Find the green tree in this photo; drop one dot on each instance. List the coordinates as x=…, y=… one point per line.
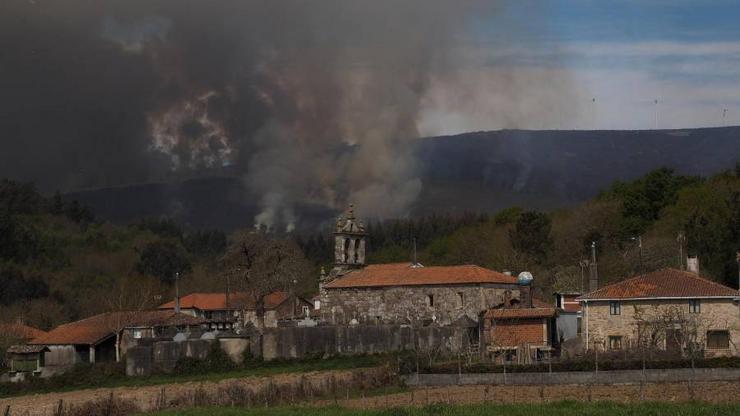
x=163, y=259
x=710, y=216
x=531, y=236
x=644, y=198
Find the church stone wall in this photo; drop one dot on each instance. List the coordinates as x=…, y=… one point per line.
x=411, y=304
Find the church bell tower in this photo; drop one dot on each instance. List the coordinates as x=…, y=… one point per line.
x=349, y=241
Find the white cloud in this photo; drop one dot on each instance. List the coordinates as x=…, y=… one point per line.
x=552, y=87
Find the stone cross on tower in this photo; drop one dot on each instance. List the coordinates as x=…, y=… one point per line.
x=349, y=241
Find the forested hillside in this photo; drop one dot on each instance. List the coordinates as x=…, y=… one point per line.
x=471, y=172
x=58, y=263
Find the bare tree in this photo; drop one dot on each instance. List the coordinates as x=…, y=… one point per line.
x=127, y=298
x=259, y=265
x=660, y=327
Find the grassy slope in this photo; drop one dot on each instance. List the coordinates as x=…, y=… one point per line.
x=550, y=409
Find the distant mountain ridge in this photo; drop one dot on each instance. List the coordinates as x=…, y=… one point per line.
x=480, y=171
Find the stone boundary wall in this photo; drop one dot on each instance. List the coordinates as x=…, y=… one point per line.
x=303, y=342
x=577, y=377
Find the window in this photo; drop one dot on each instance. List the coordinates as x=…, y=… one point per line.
x=461, y=298
x=430, y=300
x=615, y=308
x=718, y=339
x=346, y=250
x=306, y=311
x=138, y=333
x=694, y=306
x=615, y=342
x=357, y=251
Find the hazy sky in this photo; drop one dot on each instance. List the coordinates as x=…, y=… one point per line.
x=625, y=54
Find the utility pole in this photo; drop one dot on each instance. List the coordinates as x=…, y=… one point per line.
x=593, y=269
x=681, y=241
x=583, y=264
x=724, y=114
x=639, y=245
x=177, y=292
x=228, y=289
x=414, y=244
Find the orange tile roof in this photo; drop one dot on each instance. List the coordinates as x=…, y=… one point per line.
x=402, y=274
x=512, y=313
x=217, y=301
x=20, y=331
x=665, y=283
x=91, y=330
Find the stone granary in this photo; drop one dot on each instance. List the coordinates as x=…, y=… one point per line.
x=667, y=309
x=404, y=293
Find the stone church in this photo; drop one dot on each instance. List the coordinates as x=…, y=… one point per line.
x=404, y=293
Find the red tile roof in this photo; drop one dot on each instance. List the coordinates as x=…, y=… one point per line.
x=665, y=283
x=402, y=274
x=20, y=331
x=91, y=330
x=570, y=302
x=217, y=301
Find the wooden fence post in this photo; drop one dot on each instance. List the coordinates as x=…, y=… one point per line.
x=109, y=410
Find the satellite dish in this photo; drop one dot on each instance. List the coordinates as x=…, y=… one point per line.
x=524, y=278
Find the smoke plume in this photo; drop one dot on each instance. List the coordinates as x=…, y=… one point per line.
x=308, y=101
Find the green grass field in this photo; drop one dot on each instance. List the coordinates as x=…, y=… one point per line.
x=550, y=409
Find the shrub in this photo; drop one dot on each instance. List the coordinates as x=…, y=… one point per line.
x=216, y=361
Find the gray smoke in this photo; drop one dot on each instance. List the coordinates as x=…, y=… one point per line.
x=309, y=101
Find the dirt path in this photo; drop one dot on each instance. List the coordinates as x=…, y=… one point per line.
x=148, y=397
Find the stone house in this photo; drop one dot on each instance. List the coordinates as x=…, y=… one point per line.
x=520, y=333
x=107, y=337
x=404, y=293
x=223, y=311
x=667, y=309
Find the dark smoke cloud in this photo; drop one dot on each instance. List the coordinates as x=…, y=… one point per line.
x=311, y=101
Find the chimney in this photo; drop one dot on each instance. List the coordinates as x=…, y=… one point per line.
x=692, y=264
x=593, y=270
